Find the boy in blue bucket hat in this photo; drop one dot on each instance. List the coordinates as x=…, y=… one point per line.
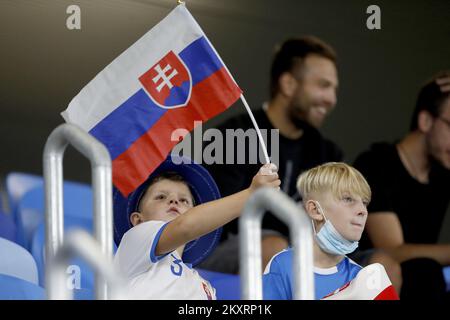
x=172, y=222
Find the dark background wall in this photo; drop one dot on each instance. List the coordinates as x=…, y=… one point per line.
x=43, y=65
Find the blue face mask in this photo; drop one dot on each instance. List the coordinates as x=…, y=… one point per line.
x=330, y=240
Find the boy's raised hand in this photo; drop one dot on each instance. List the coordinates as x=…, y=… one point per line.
x=267, y=176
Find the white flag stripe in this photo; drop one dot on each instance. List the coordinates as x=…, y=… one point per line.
x=119, y=80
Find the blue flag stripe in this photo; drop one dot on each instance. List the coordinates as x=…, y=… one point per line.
x=139, y=113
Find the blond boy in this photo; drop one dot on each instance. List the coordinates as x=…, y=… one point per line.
x=335, y=197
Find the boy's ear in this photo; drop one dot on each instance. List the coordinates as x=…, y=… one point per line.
x=136, y=218
x=312, y=210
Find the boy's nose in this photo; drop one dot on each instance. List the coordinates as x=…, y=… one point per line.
x=363, y=211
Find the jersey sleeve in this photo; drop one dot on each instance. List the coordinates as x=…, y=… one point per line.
x=276, y=282
x=136, y=252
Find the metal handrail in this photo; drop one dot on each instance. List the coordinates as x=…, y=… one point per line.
x=80, y=243
x=102, y=191
x=300, y=231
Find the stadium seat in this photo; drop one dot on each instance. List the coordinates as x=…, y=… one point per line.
x=85, y=272
x=7, y=227
x=17, y=262
x=38, y=250
x=17, y=184
x=30, y=208
x=84, y=294
x=12, y=288
x=2, y=206
x=446, y=272
x=227, y=285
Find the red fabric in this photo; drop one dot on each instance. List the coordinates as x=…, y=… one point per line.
x=388, y=294
x=182, y=75
x=209, y=97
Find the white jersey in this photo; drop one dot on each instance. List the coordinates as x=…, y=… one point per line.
x=157, y=277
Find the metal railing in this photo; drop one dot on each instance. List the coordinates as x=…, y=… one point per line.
x=80, y=243
x=300, y=230
x=102, y=192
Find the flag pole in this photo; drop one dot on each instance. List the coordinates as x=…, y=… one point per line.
x=249, y=111
x=255, y=124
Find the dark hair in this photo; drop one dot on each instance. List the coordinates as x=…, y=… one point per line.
x=168, y=175
x=292, y=53
x=430, y=99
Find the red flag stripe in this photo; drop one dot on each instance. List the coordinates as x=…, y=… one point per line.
x=209, y=98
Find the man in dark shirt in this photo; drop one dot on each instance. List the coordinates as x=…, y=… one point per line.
x=410, y=193
x=303, y=92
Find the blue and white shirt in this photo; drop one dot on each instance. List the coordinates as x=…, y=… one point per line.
x=278, y=278
x=157, y=277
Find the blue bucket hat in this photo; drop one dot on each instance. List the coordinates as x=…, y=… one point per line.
x=203, y=189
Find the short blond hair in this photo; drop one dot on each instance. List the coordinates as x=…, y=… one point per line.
x=336, y=177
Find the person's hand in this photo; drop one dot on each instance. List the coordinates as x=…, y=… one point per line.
x=444, y=83
x=267, y=176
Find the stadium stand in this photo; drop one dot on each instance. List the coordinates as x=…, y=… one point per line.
x=17, y=184
x=7, y=227
x=22, y=275
x=29, y=208
x=38, y=251
x=227, y=285
x=17, y=262
x=12, y=288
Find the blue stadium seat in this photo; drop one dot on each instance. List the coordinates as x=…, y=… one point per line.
x=17, y=262
x=12, y=288
x=446, y=272
x=30, y=208
x=38, y=250
x=84, y=294
x=17, y=184
x=85, y=272
x=227, y=285
x=7, y=227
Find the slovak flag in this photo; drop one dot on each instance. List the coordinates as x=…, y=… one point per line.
x=167, y=80
x=371, y=283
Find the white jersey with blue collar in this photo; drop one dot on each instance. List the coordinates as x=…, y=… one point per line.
x=278, y=279
x=157, y=277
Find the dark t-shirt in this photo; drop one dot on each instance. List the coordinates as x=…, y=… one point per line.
x=295, y=156
x=420, y=207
